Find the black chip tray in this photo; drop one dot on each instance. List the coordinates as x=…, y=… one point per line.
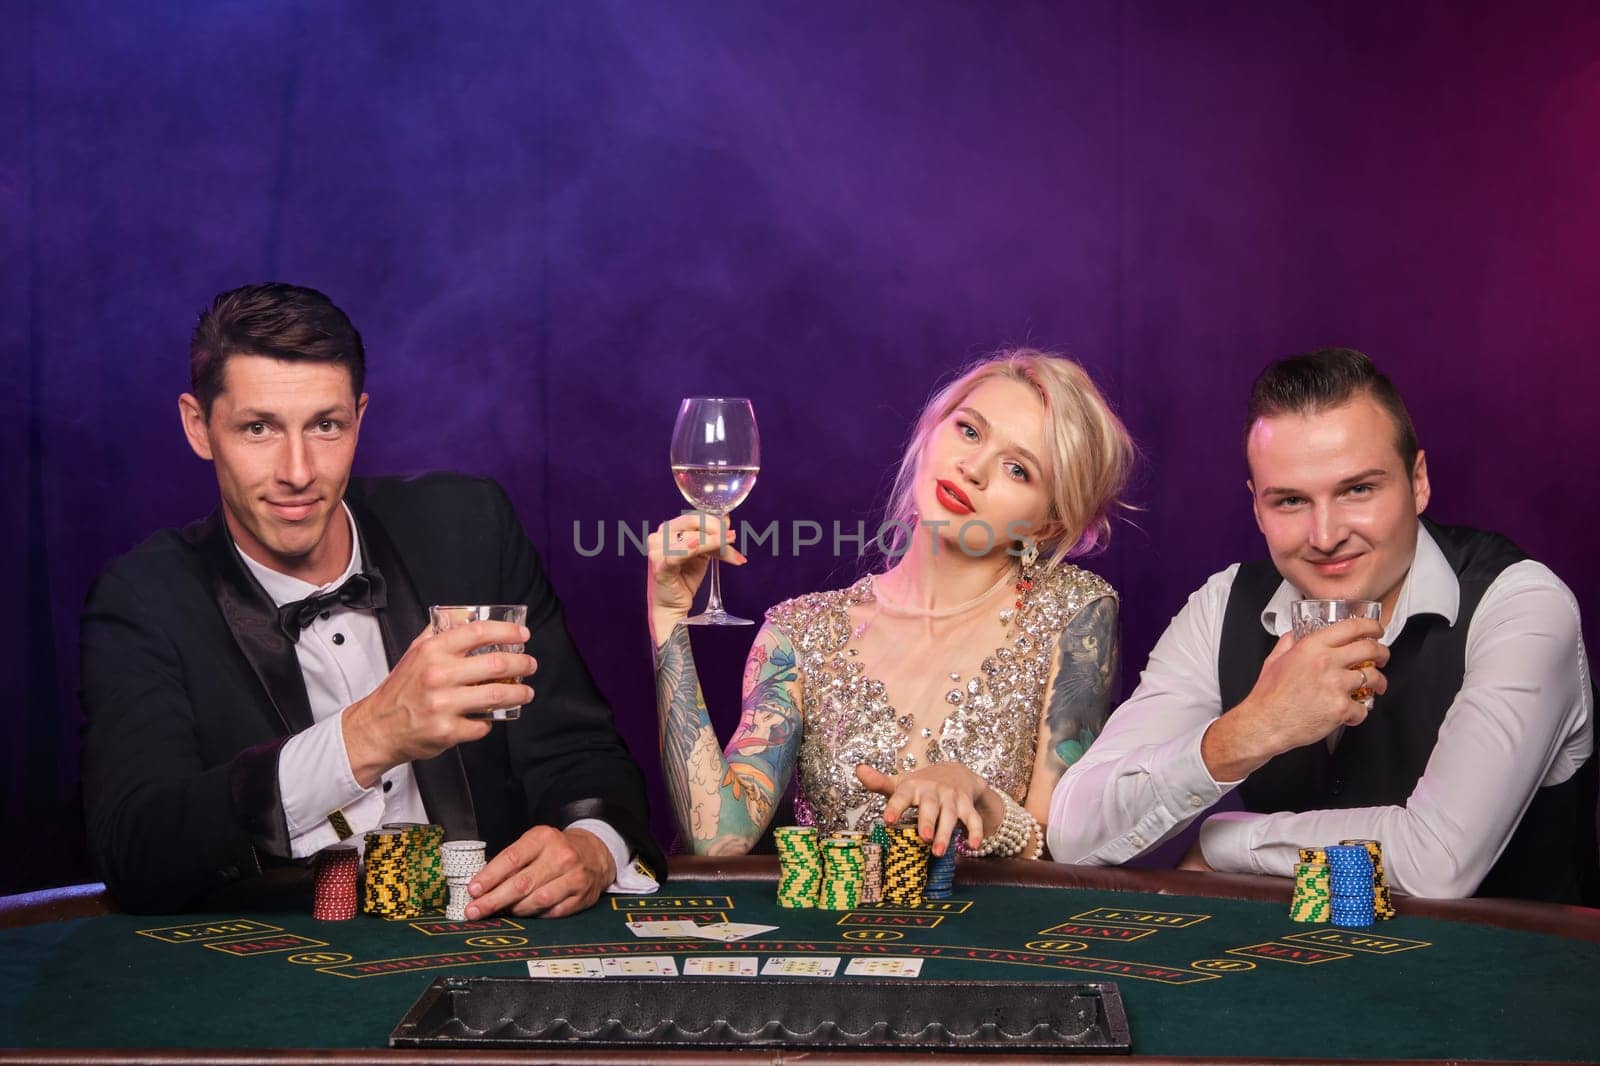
x=707, y=1013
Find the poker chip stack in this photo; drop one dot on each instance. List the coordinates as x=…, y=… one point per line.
x=1350, y=877
x=879, y=834
x=1382, y=905
x=429, y=868
x=1313, y=892
x=388, y=884
x=336, y=879
x=424, y=870
x=872, y=875
x=942, y=868
x=905, y=867
x=844, y=871
x=460, y=861
x=799, y=866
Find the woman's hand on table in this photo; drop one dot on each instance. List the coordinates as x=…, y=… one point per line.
x=944, y=794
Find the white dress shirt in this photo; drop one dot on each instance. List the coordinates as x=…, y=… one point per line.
x=1521, y=720
x=342, y=661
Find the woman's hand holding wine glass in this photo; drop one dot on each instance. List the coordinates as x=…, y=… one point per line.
x=680, y=552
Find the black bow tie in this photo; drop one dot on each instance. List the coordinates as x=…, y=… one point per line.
x=362, y=592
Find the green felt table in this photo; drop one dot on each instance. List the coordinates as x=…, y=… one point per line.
x=1201, y=975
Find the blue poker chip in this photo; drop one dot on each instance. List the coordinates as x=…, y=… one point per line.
x=1348, y=857
x=1349, y=870
x=1352, y=916
x=1352, y=905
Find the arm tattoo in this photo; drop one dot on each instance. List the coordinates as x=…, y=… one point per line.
x=682, y=713
x=723, y=802
x=1081, y=700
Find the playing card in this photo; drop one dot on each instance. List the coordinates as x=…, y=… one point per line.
x=730, y=931
x=566, y=968
x=884, y=968
x=651, y=966
x=800, y=966
x=667, y=928
x=719, y=966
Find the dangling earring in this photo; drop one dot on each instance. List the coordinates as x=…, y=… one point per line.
x=1030, y=556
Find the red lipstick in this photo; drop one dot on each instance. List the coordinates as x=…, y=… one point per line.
x=953, y=498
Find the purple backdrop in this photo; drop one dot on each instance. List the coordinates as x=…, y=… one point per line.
x=551, y=221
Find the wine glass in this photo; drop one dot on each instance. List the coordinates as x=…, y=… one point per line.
x=716, y=455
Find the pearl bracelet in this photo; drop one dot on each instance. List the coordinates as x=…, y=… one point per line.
x=1016, y=832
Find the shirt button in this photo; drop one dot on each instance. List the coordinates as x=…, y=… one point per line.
x=1196, y=801
x=326, y=615
x=338, y=638
x=1136, y=840
x=387, y=785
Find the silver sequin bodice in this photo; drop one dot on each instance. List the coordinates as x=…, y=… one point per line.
x=992, y=724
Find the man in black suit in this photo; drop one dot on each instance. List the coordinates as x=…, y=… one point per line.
x=263, y=683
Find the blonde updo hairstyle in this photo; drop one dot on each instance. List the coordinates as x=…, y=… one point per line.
x=1088, y=449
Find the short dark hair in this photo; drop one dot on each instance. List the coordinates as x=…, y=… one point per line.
x=1325, y=378
x=279, y=321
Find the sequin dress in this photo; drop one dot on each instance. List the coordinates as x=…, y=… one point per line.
x=991, y=727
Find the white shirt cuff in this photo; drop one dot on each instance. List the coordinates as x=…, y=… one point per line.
x=631, y=877
x=1184, y=786
x=315, y=780
x=1226, y=842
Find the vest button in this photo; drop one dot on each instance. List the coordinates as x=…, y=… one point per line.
x=1337, y=787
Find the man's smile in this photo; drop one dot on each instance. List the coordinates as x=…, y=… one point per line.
x=1339, y=564
x=293, y=510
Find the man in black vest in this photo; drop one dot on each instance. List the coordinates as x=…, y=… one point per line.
x=1474, y=765
x=262, y=684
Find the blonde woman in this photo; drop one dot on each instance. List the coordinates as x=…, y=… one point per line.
x=964, y=678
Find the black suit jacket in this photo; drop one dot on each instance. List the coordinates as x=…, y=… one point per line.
x=189, y=691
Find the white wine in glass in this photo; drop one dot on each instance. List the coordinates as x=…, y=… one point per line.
x=715, y=455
